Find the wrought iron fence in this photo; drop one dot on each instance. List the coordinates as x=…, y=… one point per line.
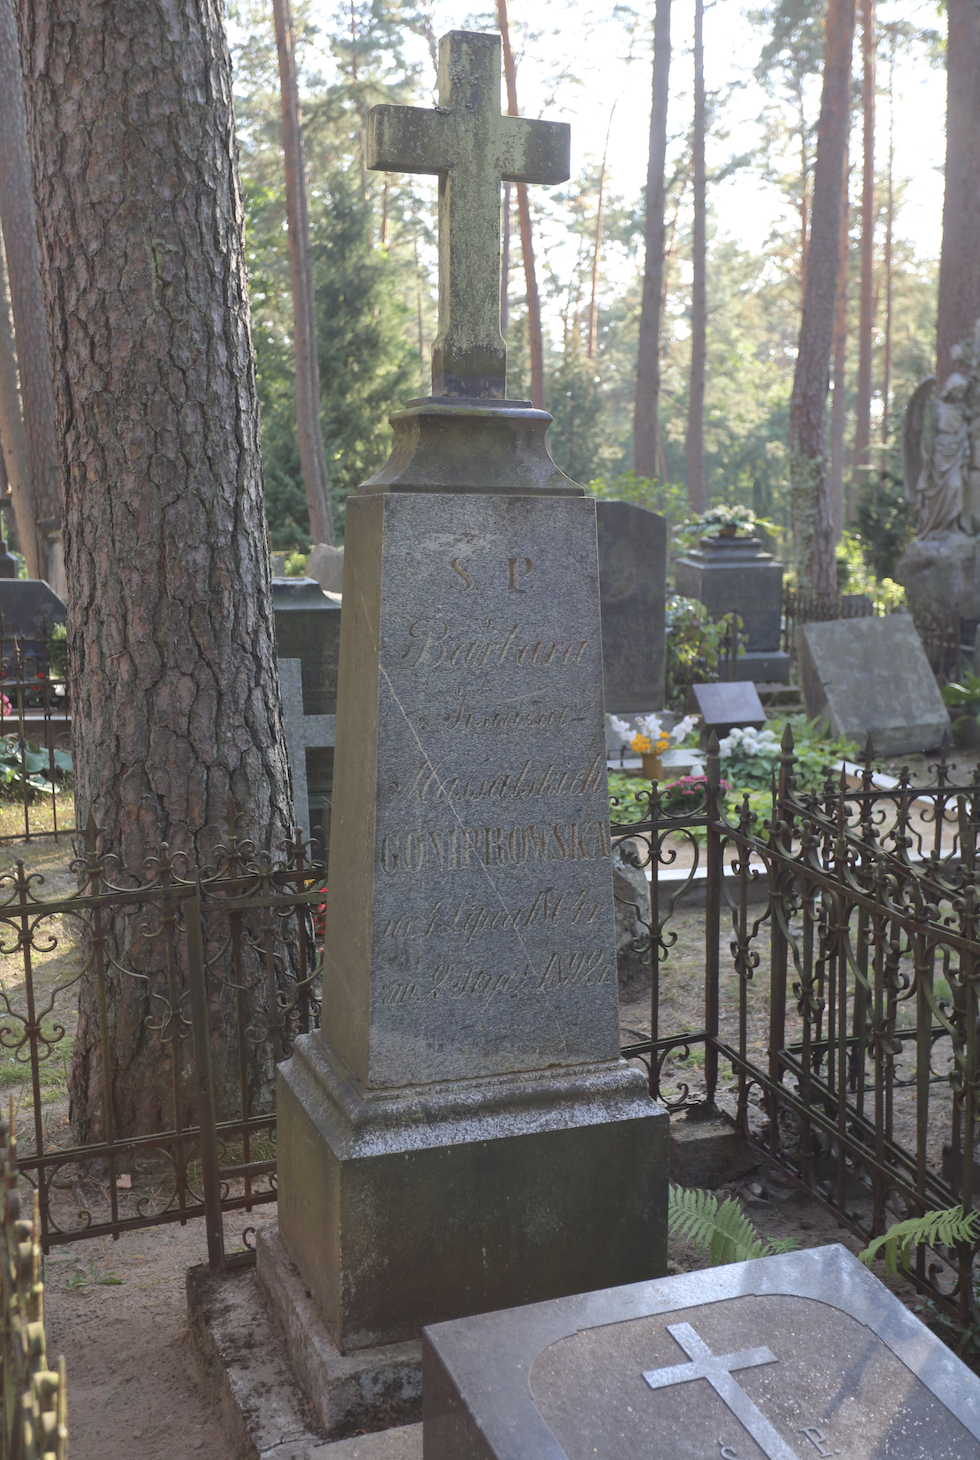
x=34, y=1396
x=216, y=969
x=851, y=979
x=35, y=737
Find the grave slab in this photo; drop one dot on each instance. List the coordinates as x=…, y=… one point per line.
x=28, y=606
x=870, y=676
x=303, y=733
x=793, y=1357
x=632, y=592
x=308, y=631
x=723, y=706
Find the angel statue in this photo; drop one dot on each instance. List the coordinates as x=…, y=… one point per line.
x=935, y=453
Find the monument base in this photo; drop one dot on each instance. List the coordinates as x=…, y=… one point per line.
x=941, y=575
x=409, y=1207
x=763, y=666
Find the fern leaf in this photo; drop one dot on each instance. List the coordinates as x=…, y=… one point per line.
x=724, y=1231
x=943, y=1228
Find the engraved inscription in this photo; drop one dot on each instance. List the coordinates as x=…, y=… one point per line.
x=524, y=784
x=517, y=570
x=459, y=981
x=819, y=1440
x=467, y=920
x=493, y=846
x=430, y=646
x=468, y=717
x=463, y=579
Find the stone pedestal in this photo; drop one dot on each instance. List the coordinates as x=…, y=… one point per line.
x=462, y=1132
x=726, y=573
x=941, y=576
x=633, y=589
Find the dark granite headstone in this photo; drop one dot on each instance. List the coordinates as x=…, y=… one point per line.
x=735, y=573
x=632, y=595
x=787, y=1358
x=723, y=706
x=308, y=630
x=29, y=608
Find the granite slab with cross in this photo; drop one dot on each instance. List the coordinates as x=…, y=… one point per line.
x=462, y=1133
x=805, y=1356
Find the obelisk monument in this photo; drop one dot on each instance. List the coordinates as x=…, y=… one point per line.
x=461, y=1133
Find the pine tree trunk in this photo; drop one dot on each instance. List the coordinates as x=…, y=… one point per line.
x=838, y=409
x=697, y=490
x=862, y=423
x=647, y=410
x=17, y=217
x=813, y=528
x=887, y=262
x=534, y=337
x=175, y=695
x=12, y=437
x=959, y=260
x=312, y=457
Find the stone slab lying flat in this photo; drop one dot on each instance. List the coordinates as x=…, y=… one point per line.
x=870, y=676
x=784, y=1358
x=402, y=1443
x=370, y=1389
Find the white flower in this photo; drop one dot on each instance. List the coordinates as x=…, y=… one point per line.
x=750, y=746
x=681, y=731
x=622, y=728
x=726, y=746
x=650, y=725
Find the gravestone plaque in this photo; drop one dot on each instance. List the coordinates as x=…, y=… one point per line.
x=794, y=1357
x=870, y=676
x=736, y=573
x=632, y=592
x=723, y=706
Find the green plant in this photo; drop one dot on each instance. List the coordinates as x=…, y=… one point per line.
x=36, y=763
x=945, y=1228
x=58, y=651
x=295, y=565
x=695, y=645
x=727, y=520
x=80, y=1281
x=965, y=697
x=725, y=1231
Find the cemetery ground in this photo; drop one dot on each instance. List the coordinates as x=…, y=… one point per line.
x=117, y=1310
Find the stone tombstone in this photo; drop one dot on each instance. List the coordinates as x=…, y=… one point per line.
x=308, y=638
x=461, y=1133
x=326, y=565
x=723, y=706
x=794, y=1357
x=726, y=573
x=30, y=608
x=633, y=594
x=870, y=676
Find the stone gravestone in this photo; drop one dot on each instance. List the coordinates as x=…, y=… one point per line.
x=794, y=1357
x=735, y=573
x=462, y=1132
x=308, y=639
x=29, y=608
x=870, y=676
x=723, y=706
x=632, y=592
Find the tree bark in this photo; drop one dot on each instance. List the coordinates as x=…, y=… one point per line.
x=647, y=409
x=17, y=217
x=534, y=337
x=838, y=409
x=959, y=260
x=862, y=424
x=12, y=437
x=887, y=262
x=175, y=694
x=813, y=528
x=312, y=457
x=697, y=490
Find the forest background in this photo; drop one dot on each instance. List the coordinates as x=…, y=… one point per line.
x=373, y=245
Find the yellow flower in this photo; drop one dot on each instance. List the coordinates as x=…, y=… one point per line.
x=662, y=744
x=641, y=744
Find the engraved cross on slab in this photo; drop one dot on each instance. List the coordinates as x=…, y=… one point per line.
x=717, y=1369
x=472, y=148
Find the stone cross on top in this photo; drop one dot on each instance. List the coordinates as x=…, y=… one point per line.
x=472, y=148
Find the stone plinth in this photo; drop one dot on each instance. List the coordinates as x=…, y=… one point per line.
x=870, y=676
x=735, y=573
x=463, y=1133
x=941, y=575
x=632, y=590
